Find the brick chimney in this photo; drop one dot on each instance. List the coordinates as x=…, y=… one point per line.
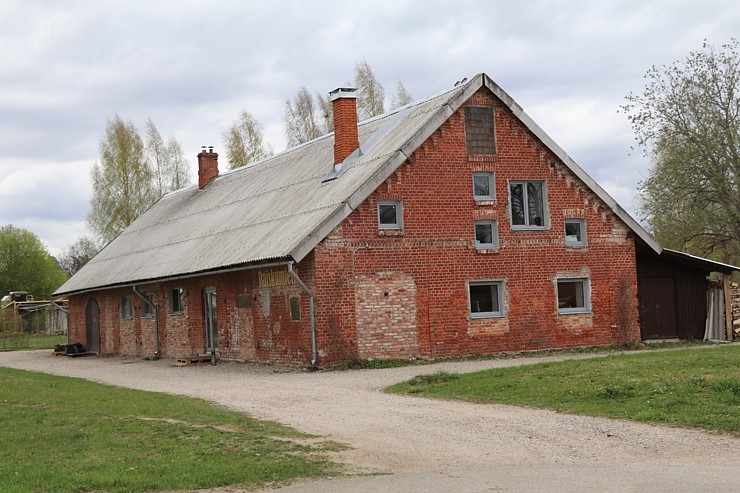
x=207, y=166
x=344, y=106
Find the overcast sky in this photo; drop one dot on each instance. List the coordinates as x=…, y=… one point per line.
x=191, y=66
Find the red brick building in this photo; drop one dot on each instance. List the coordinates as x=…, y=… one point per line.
x=452, y=226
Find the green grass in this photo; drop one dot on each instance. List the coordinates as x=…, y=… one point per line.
x=61, y=434
x=25, y=341
x=378, y=364
x=684, y=387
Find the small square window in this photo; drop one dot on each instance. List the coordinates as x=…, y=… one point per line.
x=574, y=296
x=483, y=186
x=127, y=309
x=147, y=307
x=176, y=300
x=528, y=202
x=486, y=299
x=486, y=235
x=575, y=232
x=295, y=309
x=390, y=214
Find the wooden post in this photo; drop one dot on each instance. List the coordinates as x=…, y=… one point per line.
x=728, y=305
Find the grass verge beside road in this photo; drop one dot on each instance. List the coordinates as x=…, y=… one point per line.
x=62, y=434
x=23, y=341
x=685, y=387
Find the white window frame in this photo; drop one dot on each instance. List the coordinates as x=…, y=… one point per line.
x=398, y=224
x=180, y=296
x=494, y=234
x=491, y=188
x=586, y=286
x=127, y=307
x=582, y=224
x=500, y=299
x=525, y=203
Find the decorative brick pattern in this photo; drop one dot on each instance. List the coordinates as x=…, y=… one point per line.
x=386, y=316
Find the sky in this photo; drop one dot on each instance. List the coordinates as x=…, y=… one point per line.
x=192, y=66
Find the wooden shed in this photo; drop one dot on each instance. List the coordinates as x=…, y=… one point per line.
x=672, y=290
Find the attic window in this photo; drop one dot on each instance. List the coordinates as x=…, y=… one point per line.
x=390, y=214
x=479, y=130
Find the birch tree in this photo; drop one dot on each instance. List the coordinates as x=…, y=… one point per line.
x=122, y=181
x=166, y=160
x=244, y=141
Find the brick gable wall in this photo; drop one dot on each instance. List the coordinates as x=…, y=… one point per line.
x=409, y=288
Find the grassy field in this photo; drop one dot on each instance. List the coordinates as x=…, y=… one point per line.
x=23, y=341
x=69, y=435
x=684, y=387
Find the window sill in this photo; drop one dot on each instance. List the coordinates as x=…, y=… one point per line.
x=484, y=316
x=576, y=246
x=487, y=251
x=529, y=228
x=175, y=314
x=390, y=232
x=485, y=202
x=574, y=311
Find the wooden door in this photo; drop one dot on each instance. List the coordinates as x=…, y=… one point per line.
x=92, y=326
x=658, y=308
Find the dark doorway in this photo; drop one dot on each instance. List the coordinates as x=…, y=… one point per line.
x=658, y=310
x=92, y=326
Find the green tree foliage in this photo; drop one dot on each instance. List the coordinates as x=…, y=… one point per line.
x=26, y=265
x=122, y=182
x=688, y=121
x=77, y=255
x=131, y=176
x=244, y=142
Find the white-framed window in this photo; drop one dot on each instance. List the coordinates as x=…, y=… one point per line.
x=127, y=307
x=528, y=203
x=176, y=305
x=575, y=232
x=483, y=188
x=574, y=295
x=486, y=299
x=486, y=234
x=390, y=214
x=147, y=307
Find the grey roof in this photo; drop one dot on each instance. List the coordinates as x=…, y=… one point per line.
x=282, y=207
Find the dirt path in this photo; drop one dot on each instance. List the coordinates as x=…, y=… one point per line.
x=430, y=445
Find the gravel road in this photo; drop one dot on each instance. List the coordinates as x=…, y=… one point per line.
x=415, y=444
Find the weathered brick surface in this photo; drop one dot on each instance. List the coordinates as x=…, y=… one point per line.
x=404, y=293
x=436, y=253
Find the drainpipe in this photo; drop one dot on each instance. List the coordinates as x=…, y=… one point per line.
x=156, y=318
x=314, y=351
